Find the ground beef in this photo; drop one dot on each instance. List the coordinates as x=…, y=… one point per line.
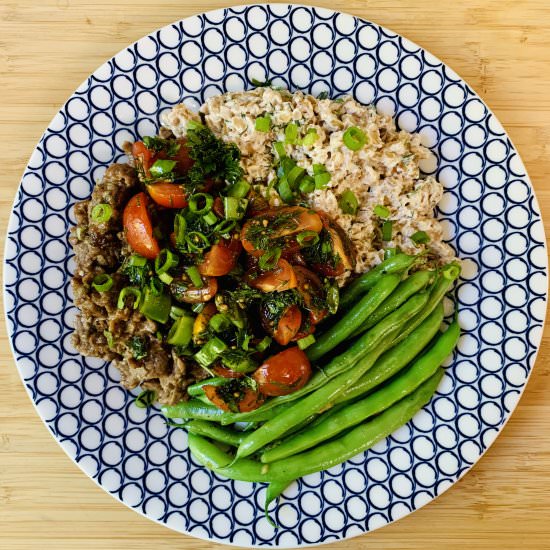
x=101, y=248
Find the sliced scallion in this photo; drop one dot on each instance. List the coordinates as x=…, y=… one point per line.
x=354, y=138
x=128, y=292
x=239, y=189
x=210, y=218
x=162, y=167
x=263, y=123
x=420, y=237
x=166, y=278
x=307, y=185
x=307, y=238
x=165, y=261
x=109, y=338
x=145, y=399
x=284, y=190
x=181, y=331
x=201, y=203
x=304, y=343
x=219, y=322
x=102, y=282
x=101, y=212
x=234, y=208
x=382, y=211
x=210, y=352
x=310, y=138
x=321, y=180
x=195, y=276
x=225, y=227
x=387, y=230
x=197, y=241
x=180, y=226
x=177, y=312
x=279, y=148
x=319, y=169
x=263, y=344
x=348, y=202
x=294, y=176
x=291, y=133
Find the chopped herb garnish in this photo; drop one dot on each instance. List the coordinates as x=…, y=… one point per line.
x=261, y=231
x=420, y=237
x=259, y=83
x=348, y=202
x=323, y=95
x=138, y=346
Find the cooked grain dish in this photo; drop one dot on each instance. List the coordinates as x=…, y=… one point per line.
x=384, y=172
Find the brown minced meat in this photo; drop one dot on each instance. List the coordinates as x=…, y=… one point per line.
x=101, y=248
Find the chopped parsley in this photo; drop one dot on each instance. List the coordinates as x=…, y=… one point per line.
x=137, y=269
x=262, y=231
x=157, y=144
x=214, y=159
x=138, y=345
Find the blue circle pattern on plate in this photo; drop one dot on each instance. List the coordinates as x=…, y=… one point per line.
x=489, y=212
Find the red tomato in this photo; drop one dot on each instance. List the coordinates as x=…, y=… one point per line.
x=138, y=228
x=224, y=372
x=218, y=208
x=221, y=258
x=279, y=279
x=249, y=399
x=142, y=155
x=168, y=194
x=310, y=288
x=184, y=161
x=283, y=373
x=288, y=325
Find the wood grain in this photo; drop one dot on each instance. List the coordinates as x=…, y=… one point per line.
x=501, y=47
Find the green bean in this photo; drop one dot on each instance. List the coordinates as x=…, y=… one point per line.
x=441, y=286
x=411, y=285
x=396, y=264
x=398, y=357
x=375, y=337
x=320, y=458
x=322, y=398
x=193, y=408
x=351, y=415
x=273, y=492
x=354, y=318
x=196, y=389
x=214, y=431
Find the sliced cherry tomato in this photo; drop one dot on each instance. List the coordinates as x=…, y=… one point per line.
x=224, y=372
x=143, y=155
x=311, y=290
x=288, y=325
x=279, y=279
x=218, y=208
x=283, y=373
x=184, y=161
x=244, y=399
x=138, y=228
x=221, y=258
x=169, y=195
x=185, y=292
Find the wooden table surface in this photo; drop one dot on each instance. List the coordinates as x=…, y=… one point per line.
x=500, y=47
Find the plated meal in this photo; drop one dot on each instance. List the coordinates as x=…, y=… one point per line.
x=272, y=263
x=238, y=261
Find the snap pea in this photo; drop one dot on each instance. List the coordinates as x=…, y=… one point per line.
x=396, y=358
x=395, y=264
x=216, y=432
x=351, y=415
x=320, y=458
x=378, y=336
x=354, y=318
x=411, y=285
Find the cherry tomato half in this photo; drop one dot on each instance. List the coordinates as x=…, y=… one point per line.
x=287, y=326
x=278, y=279
x=221, y=258
x=169, y=195
x=143, y=155
x=245, y=400
x=283, y=373
x=311, y=290
x=138, y=228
